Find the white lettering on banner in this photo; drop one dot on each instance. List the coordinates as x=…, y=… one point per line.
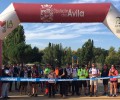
x=47, y=13
x=8, y=21
x=9, y=79
x=41, y=79
x=117, y=25
x=76, y=13
x=27, y=79
x=112, y=21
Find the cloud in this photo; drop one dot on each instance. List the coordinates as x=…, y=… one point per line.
x=45, y=35
x=86, y=1
x=94, y=1
x=39, y=45
x=114, y=2
x=63, y=31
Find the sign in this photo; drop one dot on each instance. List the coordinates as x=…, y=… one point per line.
x=47, y=12
x=5, y=25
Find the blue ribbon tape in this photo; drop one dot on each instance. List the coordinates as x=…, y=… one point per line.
x=45, y=79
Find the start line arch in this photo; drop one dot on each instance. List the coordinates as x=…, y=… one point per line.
x=16, y=13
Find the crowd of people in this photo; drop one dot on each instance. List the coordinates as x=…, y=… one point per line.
x=64, y=88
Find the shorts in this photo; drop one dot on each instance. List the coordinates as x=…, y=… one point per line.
x=23, y=83
x=113, y=81
x=105, y=82
x=84, y=83
x=93, y=82
x=35, y=82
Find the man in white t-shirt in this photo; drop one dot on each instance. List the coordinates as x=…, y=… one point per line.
x=93, y=73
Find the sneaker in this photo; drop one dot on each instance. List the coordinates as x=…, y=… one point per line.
x=85, y=94
x=64, y=96
x=35, y=95
x=110, y=95
x=7, y=97
x=90, y=94
x=45, y=94
x=104, y=94
x=78, y=94
x=53, y=96
x=115, y=95
x=96, y=94
x=72, y=94
x=32, y=95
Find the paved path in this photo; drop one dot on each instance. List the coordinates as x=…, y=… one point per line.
x=40, y=97
x=16, y=96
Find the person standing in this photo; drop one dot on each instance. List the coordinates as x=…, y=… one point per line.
x=5, y=84
x=51, y=84
x=15, y=74
x=104, y=73
x=29, y=83
x=46, y=72
x=23, y=74
x=68, y=69
x=82, y=74
x=75, y=85
x=113, y=81
x=35, y=74
x=93, y=73
x=11, y=74
x=63, y=84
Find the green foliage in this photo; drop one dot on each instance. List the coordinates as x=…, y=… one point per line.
x=100, y=55
x=87, y=52
x=113, y=57
x=15, y=50
x=53, y=54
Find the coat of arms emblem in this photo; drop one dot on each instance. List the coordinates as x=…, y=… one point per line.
x=46, y=13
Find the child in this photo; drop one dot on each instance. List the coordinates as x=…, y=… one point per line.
x=51, y=84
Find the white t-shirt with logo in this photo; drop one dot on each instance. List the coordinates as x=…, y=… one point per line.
x=93, y=71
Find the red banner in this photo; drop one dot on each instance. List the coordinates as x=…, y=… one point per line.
x=62, y=13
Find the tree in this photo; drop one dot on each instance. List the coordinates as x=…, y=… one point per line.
x=112, y=57
x=53, y=54
x=36, y=55
x=13, y=45
x=99, y=55
x=15, y=50
x=68, y=56
x=87, y=52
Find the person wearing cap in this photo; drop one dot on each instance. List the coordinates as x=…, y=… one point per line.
x=104, y=73
x=82, y=74
x=113, y=81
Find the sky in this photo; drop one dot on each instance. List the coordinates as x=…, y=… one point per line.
x=72, y=35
